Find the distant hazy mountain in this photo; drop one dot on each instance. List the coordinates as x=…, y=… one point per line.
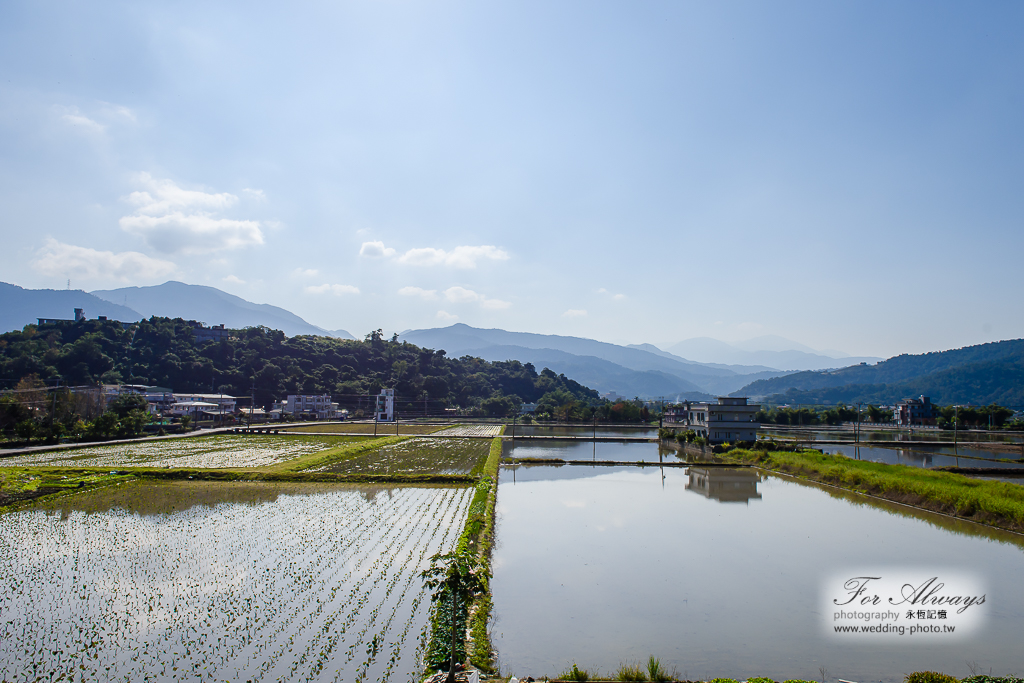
x=20, y=306
x=212, y=306
x=632, y=371
x=983, y=373
x=772, y=351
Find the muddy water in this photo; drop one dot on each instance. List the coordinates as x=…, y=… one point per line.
x=725, y=574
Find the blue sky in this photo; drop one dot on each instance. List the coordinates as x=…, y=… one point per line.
x=847, y=175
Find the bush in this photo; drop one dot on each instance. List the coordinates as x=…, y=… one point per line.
x=575, y=674
x=656, y=671
x=930, y=677
x=631, y=671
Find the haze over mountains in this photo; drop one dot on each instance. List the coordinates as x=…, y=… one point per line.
x=643, y=370
x=772, y=351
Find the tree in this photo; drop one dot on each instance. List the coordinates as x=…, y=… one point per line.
x=455, y=578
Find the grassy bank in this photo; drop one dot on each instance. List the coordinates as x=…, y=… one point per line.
x=993, y=503
x=477, y=539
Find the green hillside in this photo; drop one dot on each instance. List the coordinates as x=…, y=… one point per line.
x=981, y=374
x=163, y=352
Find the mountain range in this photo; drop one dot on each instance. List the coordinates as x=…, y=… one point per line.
x=642, y=370
x=772, y=368
x=984, y=373
x=770, y=350
x=20, y=307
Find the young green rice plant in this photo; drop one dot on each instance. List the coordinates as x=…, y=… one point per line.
x=214, y=451
x=318, y=586
x=656, y=671
x=631, y=671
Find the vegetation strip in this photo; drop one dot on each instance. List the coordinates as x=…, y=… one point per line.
x=993, y=503
x=477, y=541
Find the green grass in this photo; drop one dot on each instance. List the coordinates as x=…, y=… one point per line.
x=630, y=671
x=989, y=502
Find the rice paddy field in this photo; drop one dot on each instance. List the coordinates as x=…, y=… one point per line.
x=222, y=581
x=417, y=456
x=215, y=451
x=364, y=428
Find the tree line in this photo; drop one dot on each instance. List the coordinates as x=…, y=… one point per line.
x=996, y=416
x=267, y=365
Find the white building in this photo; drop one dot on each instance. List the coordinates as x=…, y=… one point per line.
x=319, y=405
x=386, y=405
x=222, y=402
x=730, y=419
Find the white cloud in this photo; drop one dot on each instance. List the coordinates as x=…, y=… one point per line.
x=80, y=120
x=337, y=290
x=426, y=294
x=254, y=194
x=495, y=304
x=602, y=291
x=175, y=220
x=233, y=279
x=163, y=196
x=375, y=250
x=445, y=315
x=67, y=260
x=574, y=313
x=619, y=297
x=460, y=257
x=461, y=295
x=307, y=272
x=193, y=234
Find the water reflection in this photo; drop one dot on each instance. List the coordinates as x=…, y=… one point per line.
x=601, y=565
x=619, y=451
x=724, y=484
x=924, y=456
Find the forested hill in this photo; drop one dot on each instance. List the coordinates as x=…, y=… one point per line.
x=981, y=374
x=163, y=352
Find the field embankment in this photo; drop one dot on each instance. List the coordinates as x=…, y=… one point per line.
x=993, y=503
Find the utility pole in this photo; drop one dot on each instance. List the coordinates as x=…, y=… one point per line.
x=396, y=420
x=376, y=413
x=252, y=404
x=956, y=421
x=857, y=437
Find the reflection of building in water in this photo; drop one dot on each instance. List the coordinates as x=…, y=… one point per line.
x=726, y=484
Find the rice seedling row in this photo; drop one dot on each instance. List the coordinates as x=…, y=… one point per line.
x=221, y=450
x=308, y=587
x=416, y=456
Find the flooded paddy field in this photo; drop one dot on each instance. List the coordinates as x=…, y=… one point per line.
x=210, y=581
x=218, y=450
x=926, y=456
x=621, y=451
x=725, y=573
x=417, y=456
x=818, y=433
x=582, y=431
